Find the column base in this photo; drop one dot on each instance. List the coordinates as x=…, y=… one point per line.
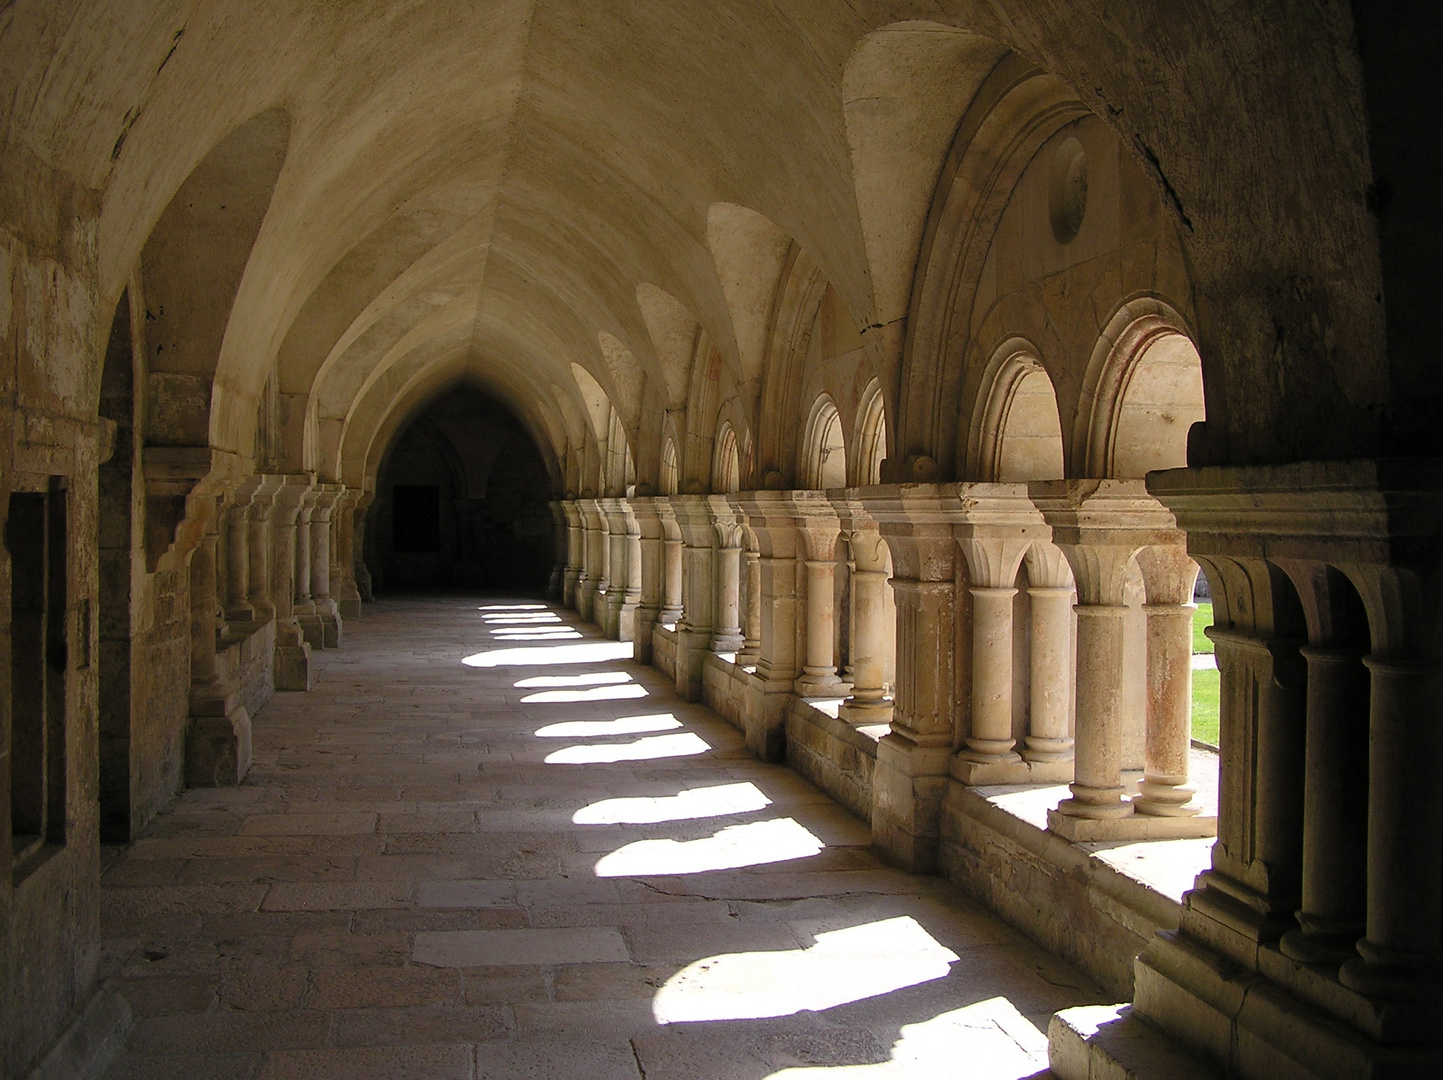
x=908, y=784
x=218, y=749
x=1129, y=826
x=1022, y=771
x=349, y=603
x=626, y=621
x=822, y=686
x=330, y=620
x=724, y=642
x=1166, y=800
x=864, y=712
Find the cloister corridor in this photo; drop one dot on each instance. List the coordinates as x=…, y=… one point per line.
x=490, y=845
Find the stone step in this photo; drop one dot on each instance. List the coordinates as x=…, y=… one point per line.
x=1107, y=1042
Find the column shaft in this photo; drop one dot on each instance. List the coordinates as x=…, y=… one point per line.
x=991, y=739
x=1165, y=791
x=1051, y=675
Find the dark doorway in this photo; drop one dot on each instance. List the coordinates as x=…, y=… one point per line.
x=462, y=502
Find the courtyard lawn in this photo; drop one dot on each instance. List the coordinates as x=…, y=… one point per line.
x=1205, y=706
x=1205, y=684
x=1202, y=618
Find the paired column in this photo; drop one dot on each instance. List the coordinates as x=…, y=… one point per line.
x=727, y=634
x=871, y=629
x=258, y=525
x=236, y=540
x=1169, y=577
x=218, y=739
x=575, y=553
x=819, y=678
x=293, y=652
x=1048, y=746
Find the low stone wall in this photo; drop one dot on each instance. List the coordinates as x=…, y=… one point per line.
x=832, y=754
x=727, y=691
x=249, y=662
x=663, y=651
x=1054, y=891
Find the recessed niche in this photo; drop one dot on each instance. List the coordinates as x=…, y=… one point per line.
x=1067, y=196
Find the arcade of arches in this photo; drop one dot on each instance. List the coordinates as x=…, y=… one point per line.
x=883, y=375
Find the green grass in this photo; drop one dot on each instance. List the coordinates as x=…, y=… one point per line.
x=1205, y=684
x=1202, y=618
x=1205, y=706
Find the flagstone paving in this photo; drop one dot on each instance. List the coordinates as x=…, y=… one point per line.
x=487, y=846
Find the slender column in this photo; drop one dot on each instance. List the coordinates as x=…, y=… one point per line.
x=237, y=544
x=1097, y=791
x=258, y=524
x=697, y=624
x=1335, y=810
x=559, y=553
x=728, y=635
x=327, y=614
x=345, y=590
x=819, y=673
x=869, y=632
x=575, y=553
x=293, y=653
x=204, y=625
x=752, y=609
x=991, y=739
x=671, y=581
x=1165, y=790
x=218, y=739
x=1051, y=675
x=618, y=562
x=630, y=610
x=1402, y=955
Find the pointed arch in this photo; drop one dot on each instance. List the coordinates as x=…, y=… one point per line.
x=871, y=436
x=1142, y=392
x=1016, y=432
x=824, y=456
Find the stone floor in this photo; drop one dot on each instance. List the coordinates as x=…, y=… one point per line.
x=488, y=845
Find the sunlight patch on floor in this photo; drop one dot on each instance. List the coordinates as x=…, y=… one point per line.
x=989, y=1040
x=595, y=678
x=515, y=607
x=596, y=693
x=626, y=725
x=687, y=805
x=593, y=652
x=753, y=844
x=657, y=746
x=845, y=965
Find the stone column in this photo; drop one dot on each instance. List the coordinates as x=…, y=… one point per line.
x=648, y=547
x=727, y=636
x=671, y=571
x=819, y=527
x=304, y=607
x=1048, y=745
x=560, y=560
x=618, y=562
x=218, y=738
x=327, y=615
x=1402, y=955
x=911, y=772
x=350, y=508
x=1335, y=809
x=575, y=553
x=770, y=519
x=293, y=652
x=870, y=631
x=1170, y=577
x=1101, y=525
x=258, y=524
x=752, y=608
x=592, y=584
x=237, y=556
x=996, y=526
x=629, y=616
x=694, y=630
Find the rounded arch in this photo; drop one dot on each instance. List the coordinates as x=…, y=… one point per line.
x=1142, y=392
x=1016, y=430
x=871, y=436
x=726, y=461
x=824, y=449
